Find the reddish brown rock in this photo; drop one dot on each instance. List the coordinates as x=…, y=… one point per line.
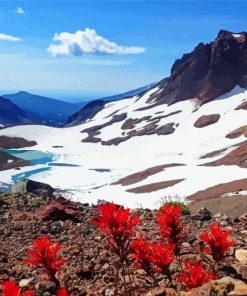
x=238, y=132
x=206, y=120
x=59, y=210
x=140, y=176
x=154, y=186
x=15, y=142
x=219, y=190
x=236, y=157
x=242, y=106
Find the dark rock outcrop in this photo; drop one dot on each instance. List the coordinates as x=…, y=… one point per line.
x=242, y=106
x=86, y=112
x=8, y=161
x=30, y=186
x=58, y=210
x=15, y=142
x=206, y=120
x=208, y=72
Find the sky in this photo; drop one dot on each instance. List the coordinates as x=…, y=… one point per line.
x=71, y=49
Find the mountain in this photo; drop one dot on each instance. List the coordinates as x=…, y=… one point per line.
x=185, y=136
x=90, y=109
x=208, y=72
x=120, y=96
x=11, y=114
x=42, y=109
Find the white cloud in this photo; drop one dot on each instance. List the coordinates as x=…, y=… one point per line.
x=6, y=37
x=88, y=41
x=19, y=10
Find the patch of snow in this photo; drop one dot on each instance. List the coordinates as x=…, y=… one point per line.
x=186, y=145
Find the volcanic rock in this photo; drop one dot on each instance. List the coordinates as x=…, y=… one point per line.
x=30, y=186
x=15, y=142
x=59, y=210
x=208, y=72
x=206, y=120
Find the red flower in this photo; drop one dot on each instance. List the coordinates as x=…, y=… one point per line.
x=11, y=289
x=171, y=226
x=45, y=253
x=194, y=275
x=62, y=292
x=217, y=241
x=117, y=223
x=162, y=256
x=141, y=252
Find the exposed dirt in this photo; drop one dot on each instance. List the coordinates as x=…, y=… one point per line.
x=154, y=186
x=220, y=190
x=238, y=132
x=140, y=176
x=233, y=206
x=236, y=157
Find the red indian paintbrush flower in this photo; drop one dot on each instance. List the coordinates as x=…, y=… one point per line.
x=217, y=241
x=162, y=256
x=171, y=226
x=11, y=289
x=62, y=292
x=194, y=275
x=142, y=252
x=46, y=254
x=117, y=223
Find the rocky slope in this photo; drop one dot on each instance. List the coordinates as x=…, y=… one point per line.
x=90, y=267
x=211, y=70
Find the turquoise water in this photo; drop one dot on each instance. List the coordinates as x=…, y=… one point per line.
x=28, y=174
x=35, y=156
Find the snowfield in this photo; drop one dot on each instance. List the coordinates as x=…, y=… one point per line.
x=85, y=183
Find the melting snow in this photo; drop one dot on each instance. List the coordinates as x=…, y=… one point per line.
x=186, y=145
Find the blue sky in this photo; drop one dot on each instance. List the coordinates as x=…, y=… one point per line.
x=148, y=37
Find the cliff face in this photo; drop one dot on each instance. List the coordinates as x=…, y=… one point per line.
x=209, y=71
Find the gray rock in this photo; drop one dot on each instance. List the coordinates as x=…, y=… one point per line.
x=30, y=186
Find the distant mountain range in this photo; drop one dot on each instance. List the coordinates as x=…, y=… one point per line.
x=41, y=109
x=11, y=114
x=47, y=111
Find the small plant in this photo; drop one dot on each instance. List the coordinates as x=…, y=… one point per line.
x=171, y=225
x=9, y=288
x=142, y=252
x=194, y=275
x=176, y=200
x=45, y=253
x=217, y=241
x=117, y=223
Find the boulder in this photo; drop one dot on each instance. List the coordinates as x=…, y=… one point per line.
x=58, y=210
x=204, y=214
x=30, y=186
x=206, y=120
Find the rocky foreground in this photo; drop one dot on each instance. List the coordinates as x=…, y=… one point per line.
x=90, y=267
